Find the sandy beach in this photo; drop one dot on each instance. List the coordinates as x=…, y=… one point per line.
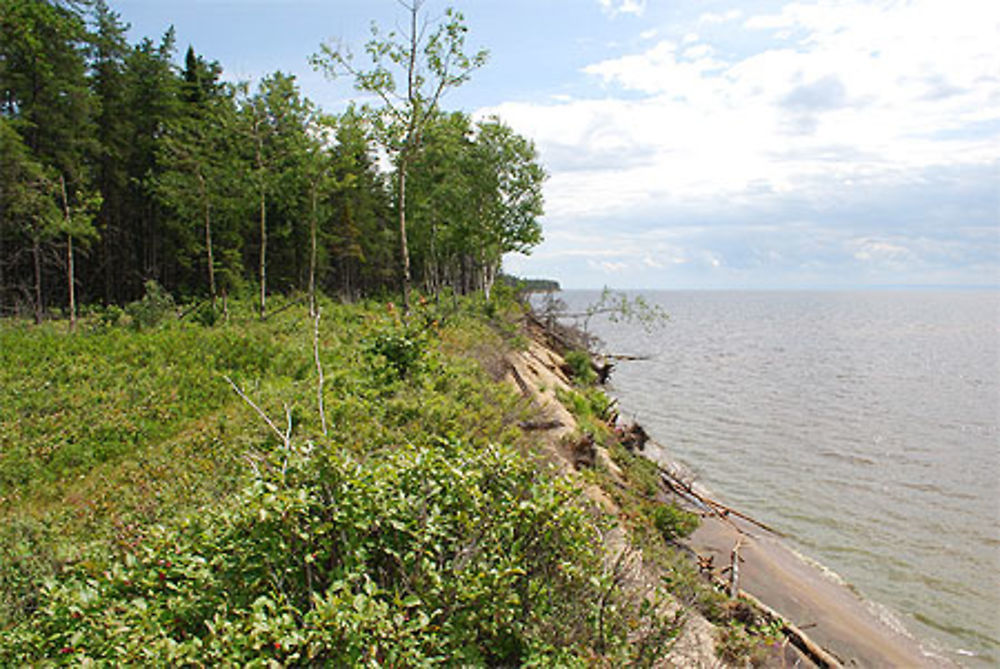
x=832, y=615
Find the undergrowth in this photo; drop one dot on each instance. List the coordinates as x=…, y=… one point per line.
x=148, y=515
x=657, y=524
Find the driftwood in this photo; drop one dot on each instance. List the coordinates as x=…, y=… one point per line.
x=634, y=437
x=685, y=489
x=734, y=569
x=793, y=633
x=819, y=655
x=584, y=452
x=603, y=370
x=519, y=380
x=531, y=425
x=626, y=357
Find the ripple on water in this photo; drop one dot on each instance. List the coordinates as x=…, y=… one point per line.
x=870, y=419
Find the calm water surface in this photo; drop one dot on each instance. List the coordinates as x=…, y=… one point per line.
x=863, y=424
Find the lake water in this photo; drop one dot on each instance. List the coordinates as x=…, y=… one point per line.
x=862, y=424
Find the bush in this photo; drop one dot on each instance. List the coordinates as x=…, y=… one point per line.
x=673, y=522
x=431, y=553
x=152, y=308
x=580, y=369
x=393, y=542
x=395, y=354
x=206, y=314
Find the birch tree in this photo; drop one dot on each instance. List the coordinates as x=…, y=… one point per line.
x=409, y=71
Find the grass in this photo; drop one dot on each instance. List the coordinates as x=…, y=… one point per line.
x=148, y=515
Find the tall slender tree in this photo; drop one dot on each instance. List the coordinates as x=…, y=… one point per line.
x=154, y=102
x=200, y=174
x=28, y=211
x=115, y=132
x=410, y=71
x=507, y=196
x=275, y=120
x=44, y=91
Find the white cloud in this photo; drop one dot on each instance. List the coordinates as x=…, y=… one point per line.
x=724, y=17
x=615, y=7
x=859, y=99
x=848, y=101
x=879, y=251
x=608, y=267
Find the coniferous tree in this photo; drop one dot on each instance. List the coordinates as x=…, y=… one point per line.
x=120, y=166
x=115, y=130
x=201, y=178
x=275, y=119
x=45, y=95
x=154, y=102
x=362, y=240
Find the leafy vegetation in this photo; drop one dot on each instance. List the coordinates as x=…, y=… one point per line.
x=657, y=524
x=580, y=368
x=121, y=165
x=420, y=529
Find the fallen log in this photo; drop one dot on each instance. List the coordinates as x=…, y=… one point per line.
x=531, y=425
x=819, y=655
x=626, y=357
x=719, y=508
x=796, y=636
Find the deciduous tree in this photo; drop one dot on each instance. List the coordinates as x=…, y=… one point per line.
x=410, y=70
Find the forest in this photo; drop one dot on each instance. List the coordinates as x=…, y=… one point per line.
x=123, y=164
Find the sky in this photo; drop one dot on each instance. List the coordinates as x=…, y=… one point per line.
x=701, y=144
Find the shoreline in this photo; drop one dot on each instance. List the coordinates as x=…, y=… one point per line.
x=803, y=591
x=825, y=618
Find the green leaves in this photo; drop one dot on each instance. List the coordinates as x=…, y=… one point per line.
x=393, y=542
x=429, y=553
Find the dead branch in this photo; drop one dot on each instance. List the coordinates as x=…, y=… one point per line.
x=319, y=372
x=685, y=489
x=285, y=308
x=530, y=425
x=625, y=356
x=819, y=655
x=285, y=437
x=190, y=310
x=734, y=569
x=793, y=633
x=288, y=440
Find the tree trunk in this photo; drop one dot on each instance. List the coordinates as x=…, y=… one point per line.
x=489, y=278
x=312, y=256
x=70, y=278
x=207, y=210
x=263, y=222
x=263, y=253
x=36, y=252
x=403, y=247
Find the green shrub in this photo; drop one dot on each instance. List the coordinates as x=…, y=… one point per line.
x=154, y=306
x=580, y=368
x=395, y=354
x=440, y=552
x=26, y=560
x=173, y=528
x=206, y=314
x=110, y=316
x=672, y=521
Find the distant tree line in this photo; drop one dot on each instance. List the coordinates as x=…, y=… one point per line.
x=119, y=165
